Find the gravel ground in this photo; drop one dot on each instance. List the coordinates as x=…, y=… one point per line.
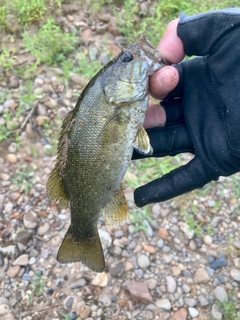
x=170, y=270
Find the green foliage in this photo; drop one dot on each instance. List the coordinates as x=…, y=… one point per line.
x=24, y=178
x=137, y=217
x=229, y=310
x=29, y=11
x=3, y=16
x=50, y=45
x=6, y=60
x=38, y=286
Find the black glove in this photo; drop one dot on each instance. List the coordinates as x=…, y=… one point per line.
x=203, y=112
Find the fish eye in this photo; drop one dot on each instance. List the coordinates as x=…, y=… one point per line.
x=127, y=57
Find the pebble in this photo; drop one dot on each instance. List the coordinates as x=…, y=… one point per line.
x=143, y=261
x=43, y=229
x=160, y=243
x=181, y=314
x=164, y=304
x=163, y=233
x=78, y=283
x=235, y=274
x=4, y=308
x=201, y=276
x=55, y=241
x=148, y=229
x=106, y=301
x=13, y=147
x=236, y=262
x=236, y=244
x=203, y=301
x=101, y=280
x=186, y=288
x=12, y=158
x=85, y=312
x=220, y=294
x=189, y=234
x=117, y=269
x=149, y=249
x=190, y=302
x=151, y=283
x=138, y=291
x=13, y=271
x=105, y=237
x=69, y=301
x=30, y=220
x=193, y=312
x=207, y=240
x=216, y=314
x=21, y=260
x=176, y=271
x=218, y=263
x=171, y=284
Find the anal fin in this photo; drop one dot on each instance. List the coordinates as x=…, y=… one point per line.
x=116, y=210
x=142, y=143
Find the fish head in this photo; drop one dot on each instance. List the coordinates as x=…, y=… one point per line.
x=128, y=75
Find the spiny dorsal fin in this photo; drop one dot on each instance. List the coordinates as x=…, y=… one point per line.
x=55, y=187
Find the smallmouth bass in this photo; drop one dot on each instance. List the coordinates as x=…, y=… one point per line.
x=95, y=147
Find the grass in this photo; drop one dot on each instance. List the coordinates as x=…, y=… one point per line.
x=229, y=310
x=38, y=286
x=24, y=178
x=138, y=218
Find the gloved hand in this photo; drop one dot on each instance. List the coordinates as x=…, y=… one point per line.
x=203, y=111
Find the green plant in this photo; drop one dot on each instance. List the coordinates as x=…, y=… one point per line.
x=193, y=225
x=24, y=178
x=3, y=15
x=137, y=217
x=38, y=286
x=51, y=45
x=6, y=60
x=229, y=310
x=29, y=11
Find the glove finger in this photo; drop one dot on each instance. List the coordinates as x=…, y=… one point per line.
x=167, y=141
x=174, y=111
x=177, y=182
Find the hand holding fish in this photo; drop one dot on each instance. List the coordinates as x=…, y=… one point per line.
x=200, y=107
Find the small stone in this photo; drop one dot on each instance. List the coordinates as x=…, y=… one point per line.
x=143, y=261
x=43, y=229
x=160, y=243
x=105, y=237
x=50, y=103
x=215, y=221
x=151, y=283
x=187, y=274
x=164, y=304
x=163, y=233
x=101, y=280
x=189, y=234
x=190, y=302
x=78, y=283
x=171, y=284
x=176, y=271
x=4, y=308
x=11, y=157
x=193, y=312
x=13, y=147
x=219, y=263
x=55, y=241
x=69, y=301
x=201, y=276
x=13, y=271
x=30, y=220
x=117, y=269
x=106, y=301
x=148, y=229
x=192, y=245
x=207, y=240
x=237, y=263
x=21, y=260
x=26, y=277
x=235, y=274
x=203, y=301
x=181, y=314
x=149, y=249
x=220, y=294
x=186, y=288
x=14, y=82
x=85, y=312
x=236, y=244
x=138, y=291
x=216, y=314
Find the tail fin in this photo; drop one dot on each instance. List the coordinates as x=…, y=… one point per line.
x=88, y=251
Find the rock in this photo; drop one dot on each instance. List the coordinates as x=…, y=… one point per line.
x=193, y=312
x=50, y=103
x=236, y=244
x=218, y=263
x=171, y=284
x=21, y=260
x=163, y=233
x=201, y=276
x=203, y=301
x=117, y=269
x=55, y=241
x=190, y=302
x=105, y=237
x=138, y=291
x=13, y=147
x=14, y=82
x=106, y=301
x=176, y=271
x=101, y=280
x=160, y=243
x=207, y=240
x=13, y=271
x=151, y=283
x=30, y=220
x=69, y=301
x=235, y=274
x=4, y=308
x=181, y=314
x=189, y=234
x=220, y=294
x=149, y=249
x=143, y=261
x=43, y=229
x=186, y=288
x=78, y=283
x=85, y=312
x=148, y=229
x=11, y=157
x=237, y=263
x=87, y=36
x=215, y=221
x=216, y=314
x=164, y=304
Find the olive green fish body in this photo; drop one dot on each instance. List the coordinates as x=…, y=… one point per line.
x=95, y=149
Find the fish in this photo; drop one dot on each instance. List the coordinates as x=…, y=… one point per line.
x=95, y=147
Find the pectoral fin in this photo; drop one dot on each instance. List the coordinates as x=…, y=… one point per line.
x=116, y=210
x=142, y=143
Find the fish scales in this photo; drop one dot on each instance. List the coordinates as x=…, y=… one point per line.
x=95, y=148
